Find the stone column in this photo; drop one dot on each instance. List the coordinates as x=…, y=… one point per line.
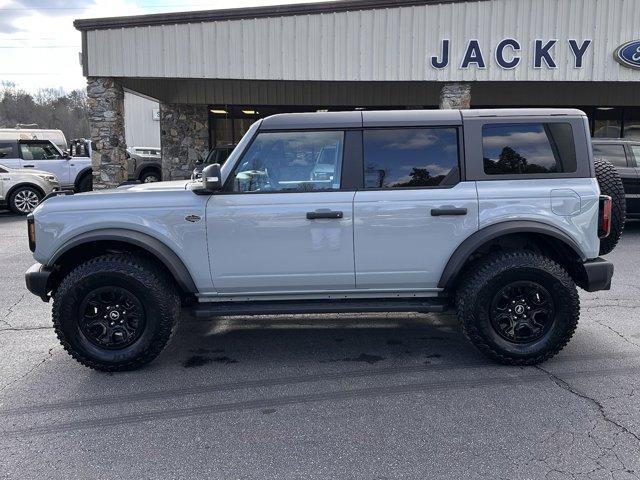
x=455, y=96
x=106, y=116
x=184, y=138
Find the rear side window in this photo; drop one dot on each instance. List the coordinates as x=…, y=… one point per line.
x=613, y=153
x=410, y=157
x=6, y=150
x=528, y=148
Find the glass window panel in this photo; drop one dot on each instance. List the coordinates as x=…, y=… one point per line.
x=291, y=162
x=409, y=157
x=632, y=123
x=611, y=152
x=519, y=148
x=607, y=122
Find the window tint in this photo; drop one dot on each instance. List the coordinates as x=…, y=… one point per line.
x=291, y=162
x=39, y=151
x=536, y=148
x=613, y=153
x=6, y=150
x=636, y=153
x=409, y=157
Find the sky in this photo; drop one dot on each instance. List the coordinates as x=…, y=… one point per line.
x=40, y=48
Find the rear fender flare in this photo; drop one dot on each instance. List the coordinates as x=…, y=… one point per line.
x=459, y=257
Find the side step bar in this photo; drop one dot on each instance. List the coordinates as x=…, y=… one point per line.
x=215, y=309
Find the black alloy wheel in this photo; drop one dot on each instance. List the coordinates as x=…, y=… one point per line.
x=111, y=317
x=522, y=312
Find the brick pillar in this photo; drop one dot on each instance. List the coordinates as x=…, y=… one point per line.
x=106, y=117
x=455, y=96
x=184, y=138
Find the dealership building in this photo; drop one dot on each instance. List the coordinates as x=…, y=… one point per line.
x=216, y=72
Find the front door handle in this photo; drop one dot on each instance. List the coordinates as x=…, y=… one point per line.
x=324, y=214
x=28, y=166
x=439, y=212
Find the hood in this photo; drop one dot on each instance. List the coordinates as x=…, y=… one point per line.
x=158, y=194
x=155, y=186
x=30, y=170
x=173, y=186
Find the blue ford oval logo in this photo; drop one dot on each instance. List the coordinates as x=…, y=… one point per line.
x=628, y=54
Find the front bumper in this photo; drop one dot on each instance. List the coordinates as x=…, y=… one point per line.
x=597, y=274
x=37, y=279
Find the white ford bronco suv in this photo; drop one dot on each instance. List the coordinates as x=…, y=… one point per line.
x=495, y=212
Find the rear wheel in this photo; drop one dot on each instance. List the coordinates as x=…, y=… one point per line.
x=518, y=308
x=150, y=176
x=115, y=312
x=24, y=200
x=611, y=185
x=86, y=183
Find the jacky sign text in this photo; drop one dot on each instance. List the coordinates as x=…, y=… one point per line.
x=507, y=54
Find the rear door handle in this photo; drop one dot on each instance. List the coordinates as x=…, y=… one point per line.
x=324, y=214
x=28, y=166
x=445, y=211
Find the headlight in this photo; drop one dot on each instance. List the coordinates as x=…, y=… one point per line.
x=49, y=178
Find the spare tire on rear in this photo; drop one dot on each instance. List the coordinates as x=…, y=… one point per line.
x=611, y=185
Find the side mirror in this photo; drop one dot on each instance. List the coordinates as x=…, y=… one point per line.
x=211, y=178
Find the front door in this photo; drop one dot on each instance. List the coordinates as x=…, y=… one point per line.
x=40, y=155
x=413, y=212
x=279, y=227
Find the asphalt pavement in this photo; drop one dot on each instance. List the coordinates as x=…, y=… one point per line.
x=366, y=396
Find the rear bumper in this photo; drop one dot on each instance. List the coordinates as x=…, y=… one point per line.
x=597, y=274
x=37, y=280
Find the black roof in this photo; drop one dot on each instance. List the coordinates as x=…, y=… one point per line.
x=250, y=12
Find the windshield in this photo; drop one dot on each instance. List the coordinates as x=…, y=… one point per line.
x=242, y=145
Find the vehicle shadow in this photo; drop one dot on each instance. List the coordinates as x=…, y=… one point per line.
x=293, y=340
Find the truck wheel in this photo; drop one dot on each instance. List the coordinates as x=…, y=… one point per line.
x=24, y=200
x=86, y=183
x=611, y=185
x=115, y=312
x=150, y=176
x=518, y=308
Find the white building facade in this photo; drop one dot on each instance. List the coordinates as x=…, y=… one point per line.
x=216, y=72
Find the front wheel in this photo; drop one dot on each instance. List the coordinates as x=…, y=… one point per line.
x=24, y=200
x=519, y=308
x=115, y=312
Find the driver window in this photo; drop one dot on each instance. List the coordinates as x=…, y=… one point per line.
x=291, y=162
x=39, y=151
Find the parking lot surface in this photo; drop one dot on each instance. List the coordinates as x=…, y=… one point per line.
x=322, y=396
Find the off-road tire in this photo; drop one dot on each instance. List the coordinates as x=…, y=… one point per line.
x=20, y=190
x=153, y=287
x=486, y=278
x=86, y=183
x=611, y=185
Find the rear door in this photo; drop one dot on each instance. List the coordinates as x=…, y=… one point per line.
x=9, y=155
x=45, y=156
x=619, y=157
x=413, y=211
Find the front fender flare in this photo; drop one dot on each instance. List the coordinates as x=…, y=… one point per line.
x=148, y=243
x=471, y=244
